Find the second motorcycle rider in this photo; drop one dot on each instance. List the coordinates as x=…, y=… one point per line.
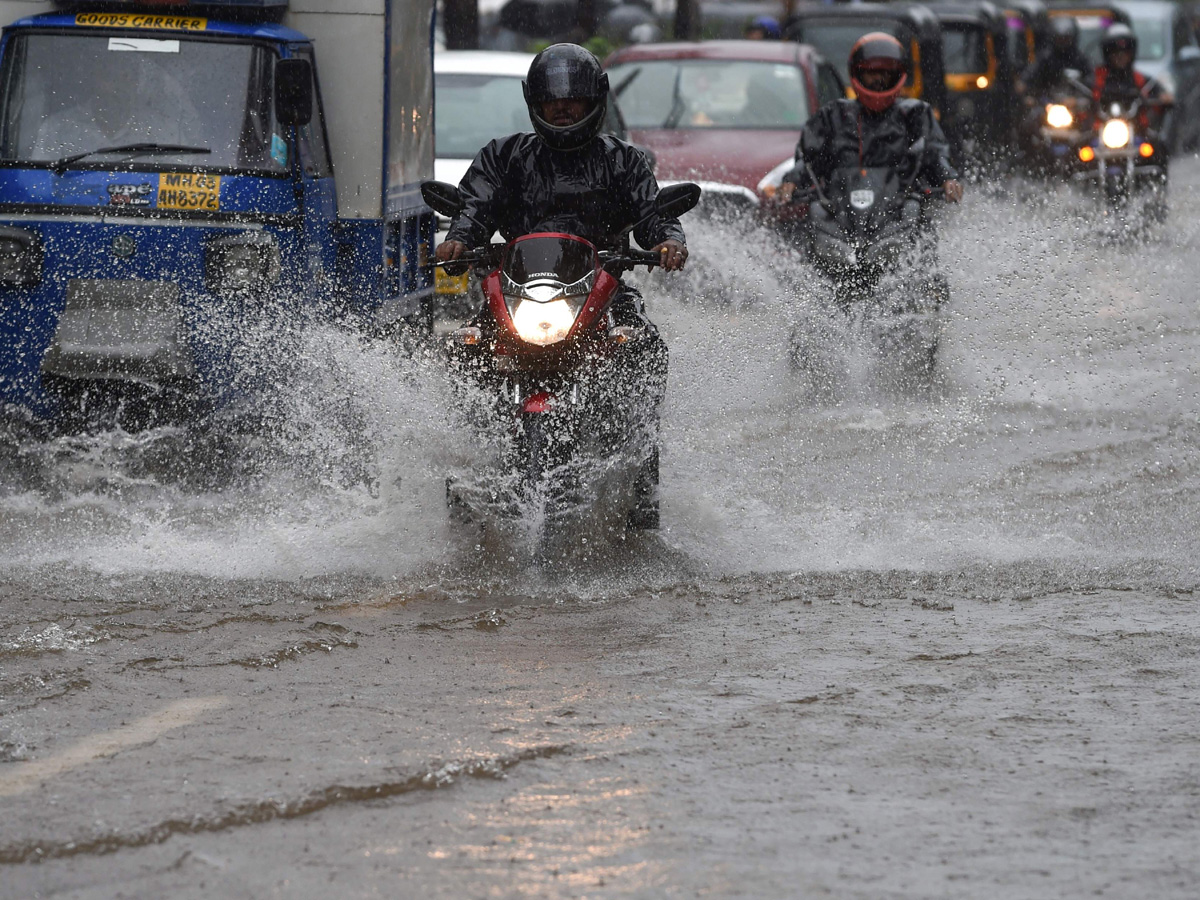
x=876, y=129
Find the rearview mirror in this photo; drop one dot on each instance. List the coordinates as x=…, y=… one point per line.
x=676, y=199
x=293, y=92
x=442, y=198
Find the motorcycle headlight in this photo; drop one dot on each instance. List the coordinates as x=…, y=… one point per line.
x=1115, y=134
x=543, y=323
x=1058, y=116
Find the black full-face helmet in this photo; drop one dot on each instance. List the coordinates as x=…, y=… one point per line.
x=1064, y=33
x=1118, y=37
x=566, y=72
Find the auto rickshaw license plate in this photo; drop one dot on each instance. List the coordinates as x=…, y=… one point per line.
x=449, y=284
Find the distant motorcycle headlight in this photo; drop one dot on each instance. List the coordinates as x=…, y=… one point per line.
x=1058, y=116
x=543, y=323
x=1115, y=134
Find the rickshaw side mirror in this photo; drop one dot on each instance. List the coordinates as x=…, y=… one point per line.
x=293, y=92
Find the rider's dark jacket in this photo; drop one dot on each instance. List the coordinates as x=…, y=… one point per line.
x=1049, y=69
x=518, y=185
x=845, y=134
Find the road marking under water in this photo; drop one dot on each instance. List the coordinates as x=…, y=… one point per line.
x=109, y=743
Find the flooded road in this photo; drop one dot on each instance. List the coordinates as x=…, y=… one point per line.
x=888, y=645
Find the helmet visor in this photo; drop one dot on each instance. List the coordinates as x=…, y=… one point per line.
x=563, y=79
x=879, y=78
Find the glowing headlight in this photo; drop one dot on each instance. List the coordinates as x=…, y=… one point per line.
x=542, y=323
x=1058, y=116
x=1115, y=134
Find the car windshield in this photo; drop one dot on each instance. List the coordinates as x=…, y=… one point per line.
x=964, y=50
x=474, y=108
x=1152, y=38
x=68, y=94
x=699, y=93
x=562, y=259
x=836, y=38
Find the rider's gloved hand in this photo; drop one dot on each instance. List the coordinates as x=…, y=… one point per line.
x=671, y=253
x=953, y=191
x=448, y=250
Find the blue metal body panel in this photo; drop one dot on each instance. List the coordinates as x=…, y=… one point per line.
x=180, y=8
x=246, y=197
x=81, y=247
x=376, y=268
x=263, y=31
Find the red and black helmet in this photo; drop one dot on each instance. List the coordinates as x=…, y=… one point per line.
x=878, y=52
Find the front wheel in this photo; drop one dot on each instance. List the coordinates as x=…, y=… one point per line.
x=644, y=515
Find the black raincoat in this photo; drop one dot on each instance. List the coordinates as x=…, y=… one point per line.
x=844, y=134
x=518, y=185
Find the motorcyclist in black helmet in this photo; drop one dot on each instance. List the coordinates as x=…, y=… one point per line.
x=568, y=177
x=1050, y=68
x=566, y=172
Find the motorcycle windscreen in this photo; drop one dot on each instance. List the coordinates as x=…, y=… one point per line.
x=861, y=189
x=546, y=279
x=550, y=257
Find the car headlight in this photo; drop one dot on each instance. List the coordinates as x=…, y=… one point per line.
x=20, y=257
x=543, y=323
x=1115, y=134
x=242, y=263
x=1058, y=116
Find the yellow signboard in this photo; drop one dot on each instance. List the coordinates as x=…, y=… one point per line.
x=131, y=20
x=185, y=190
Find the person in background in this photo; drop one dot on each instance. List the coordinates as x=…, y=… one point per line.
x=763, y=28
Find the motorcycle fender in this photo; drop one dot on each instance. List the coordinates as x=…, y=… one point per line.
x=539, y=403
x=888, y=250
x=832, y=247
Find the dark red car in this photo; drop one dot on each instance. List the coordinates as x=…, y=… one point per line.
x=724, y=113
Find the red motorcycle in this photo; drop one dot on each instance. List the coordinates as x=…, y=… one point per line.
x=575, y=393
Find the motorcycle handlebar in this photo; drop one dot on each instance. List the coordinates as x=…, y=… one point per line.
x=649, y=257
x=630, y=258
x=486, y=256
x=480, y=256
